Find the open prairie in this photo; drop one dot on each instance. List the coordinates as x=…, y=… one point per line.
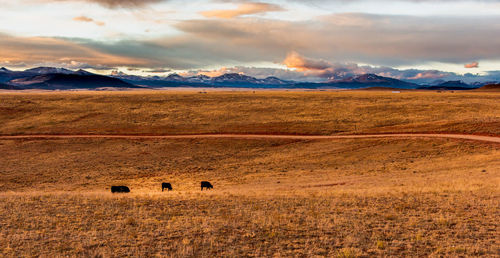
x=282, y=197
x=265, y=112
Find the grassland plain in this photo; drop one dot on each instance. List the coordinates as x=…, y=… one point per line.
x=281, y=197
x=264, y=112
x=287, y=197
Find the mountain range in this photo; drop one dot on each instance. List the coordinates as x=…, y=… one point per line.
x=226, y=80
x=50, y=78
x=362, y=81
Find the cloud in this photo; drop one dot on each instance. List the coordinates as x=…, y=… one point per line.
x=87, y=19
x=343, y=71
x=362, y=38
x=159, y=70
x=318, y=68
x=243, y=9
x=257, y=72
x=427, y=75
x=330, y=46
x=83, y=19
x=330, y=71
x=472, y=65
x=79, y=65
x=114, y=3
x=124, y=3
x=323, y=69
x=301, y=68
x=294, y=60
x=414, y=1
x=37, y=50
x=210, y=73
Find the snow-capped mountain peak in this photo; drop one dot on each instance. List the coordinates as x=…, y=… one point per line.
x=82, y=72
x=49, y=70
x=234, y=77
x=175, y=77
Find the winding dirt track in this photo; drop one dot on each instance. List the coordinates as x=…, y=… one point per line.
x=494, y=139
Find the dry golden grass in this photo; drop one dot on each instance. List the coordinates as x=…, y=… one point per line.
x=94, y=164
x=246, y=112
x=344, y=198
x=451, y=224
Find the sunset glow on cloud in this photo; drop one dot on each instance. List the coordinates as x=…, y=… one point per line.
x=472, y=65
x=87, y=19
x=243, y=9
x=307, y=40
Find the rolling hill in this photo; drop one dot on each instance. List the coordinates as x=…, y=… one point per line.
x=8, y=87
x=61, y=81
x=490, y=87
x=50, y=78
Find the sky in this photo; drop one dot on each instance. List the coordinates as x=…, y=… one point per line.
x=307, y=40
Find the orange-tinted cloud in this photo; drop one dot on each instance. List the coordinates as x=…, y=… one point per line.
x=83, y=19
x=243, y=9
x=296, y=61
x=428, y=75
x=258, y=72
x=331, y=71
x=33, y=50
x=472, y=65
x=87, y=19
x=386, y=40
x=334, y=71
x=212, y=73
x=311, y=67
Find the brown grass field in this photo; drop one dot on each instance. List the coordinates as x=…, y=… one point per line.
x=272, y=197
x=265, y=112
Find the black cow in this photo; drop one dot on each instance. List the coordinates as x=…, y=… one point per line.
x=120, y=189
x=206, y=184
x=166, y=186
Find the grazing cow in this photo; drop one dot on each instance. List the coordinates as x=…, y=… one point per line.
x=120, y=189
x=166, y=186
x=206, y=184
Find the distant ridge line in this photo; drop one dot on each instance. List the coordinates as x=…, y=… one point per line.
x=53, y=78
x=494, y=139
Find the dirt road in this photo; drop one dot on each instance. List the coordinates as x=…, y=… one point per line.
x=494, y=139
